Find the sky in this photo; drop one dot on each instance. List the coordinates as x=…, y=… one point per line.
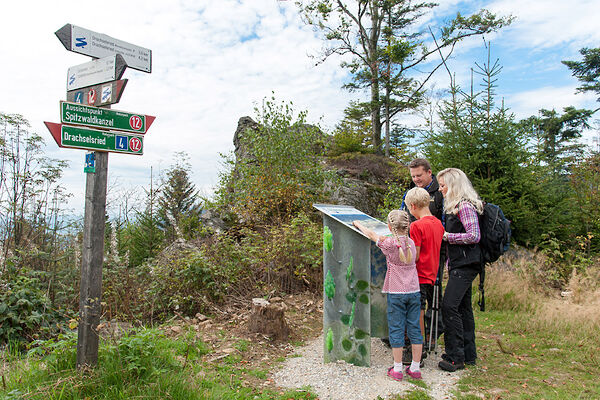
x=214, y=61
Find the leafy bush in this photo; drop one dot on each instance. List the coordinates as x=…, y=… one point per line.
x=345, y=141
x=281, y=173
x=24, y=310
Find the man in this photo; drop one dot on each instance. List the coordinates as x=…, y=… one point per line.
x=420, y=172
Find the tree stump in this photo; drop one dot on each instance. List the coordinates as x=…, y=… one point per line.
x=268, y=319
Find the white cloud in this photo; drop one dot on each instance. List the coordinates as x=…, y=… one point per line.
x=212, y=60
x=527, y=103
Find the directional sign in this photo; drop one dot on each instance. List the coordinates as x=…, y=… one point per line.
x=98, y=45
x=78, y=114
x=95, y=72
x=93, y=139
x=108, y=93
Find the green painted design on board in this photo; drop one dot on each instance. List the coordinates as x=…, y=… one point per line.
x=352, y=314
x=351, y=297
x=327, y=238
x=329, y=286
x=329, y=340
x=362, y=350
x=346, y=344
x=364, y=299
x=345, y=319
x=362, y=285
x=360, y=334
x=349, y=270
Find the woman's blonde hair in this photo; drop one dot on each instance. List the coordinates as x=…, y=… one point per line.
x=399, y=222
x=459, y=189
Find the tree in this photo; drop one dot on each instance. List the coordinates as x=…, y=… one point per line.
x=587, y=71
x=178, y=199
x=380, y=38
x=482, y=138
x=556, y=136
x=30, y=192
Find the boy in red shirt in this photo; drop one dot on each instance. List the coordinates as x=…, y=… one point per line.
x=427, y=232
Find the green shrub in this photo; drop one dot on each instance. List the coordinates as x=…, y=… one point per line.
x=24, y=310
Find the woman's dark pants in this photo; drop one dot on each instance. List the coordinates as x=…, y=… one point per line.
x=457, y=314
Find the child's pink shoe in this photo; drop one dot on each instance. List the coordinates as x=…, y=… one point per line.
x=397, y=376
x=414, y=375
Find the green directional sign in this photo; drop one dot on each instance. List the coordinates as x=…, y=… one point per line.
x=92, y=139
x=79, y=114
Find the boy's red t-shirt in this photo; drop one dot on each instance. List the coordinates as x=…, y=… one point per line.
x=427, y=233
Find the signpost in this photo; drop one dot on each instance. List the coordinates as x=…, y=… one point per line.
x=97, y=71
x=94, y=139
x=97, y=83
x=76, y=114
x=98, y=45
x=103, y=94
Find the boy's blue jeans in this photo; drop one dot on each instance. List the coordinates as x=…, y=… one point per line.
x=403, y=312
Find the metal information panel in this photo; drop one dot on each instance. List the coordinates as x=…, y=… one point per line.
x=347, y=214
x=78, y=114
x=98, y=45
x=354, y=309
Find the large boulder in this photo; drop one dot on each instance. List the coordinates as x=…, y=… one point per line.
x=364, y=179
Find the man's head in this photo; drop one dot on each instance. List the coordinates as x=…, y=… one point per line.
x=420, y=172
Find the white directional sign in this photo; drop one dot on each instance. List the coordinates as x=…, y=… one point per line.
x=95, y=72
x=98, y=45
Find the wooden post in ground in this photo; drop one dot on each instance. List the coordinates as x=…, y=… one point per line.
x=90, y=292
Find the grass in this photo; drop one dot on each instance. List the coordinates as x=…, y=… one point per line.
x=533, y=345
x=146, y=364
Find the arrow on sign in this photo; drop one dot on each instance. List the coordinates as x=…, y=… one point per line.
x=95, y=72
x=110, y=93
x=98, y=45
x=96, y=140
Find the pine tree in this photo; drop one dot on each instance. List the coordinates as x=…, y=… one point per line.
x=178, y=200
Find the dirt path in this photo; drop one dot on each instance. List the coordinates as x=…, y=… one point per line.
x=342, y=381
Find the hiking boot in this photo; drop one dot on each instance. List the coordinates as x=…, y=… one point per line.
x=451, y=366
x=467, y=362
x=397, y=376
x=414, y=375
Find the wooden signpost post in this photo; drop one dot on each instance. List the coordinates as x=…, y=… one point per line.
x=102, y=130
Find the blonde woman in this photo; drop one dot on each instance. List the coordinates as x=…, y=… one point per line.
x=402, y=287
x=462, y=207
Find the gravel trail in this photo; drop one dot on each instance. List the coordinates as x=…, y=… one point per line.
x=342, y=381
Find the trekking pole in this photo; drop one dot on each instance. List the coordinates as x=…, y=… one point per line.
x=433, y=316
x=436, y=301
